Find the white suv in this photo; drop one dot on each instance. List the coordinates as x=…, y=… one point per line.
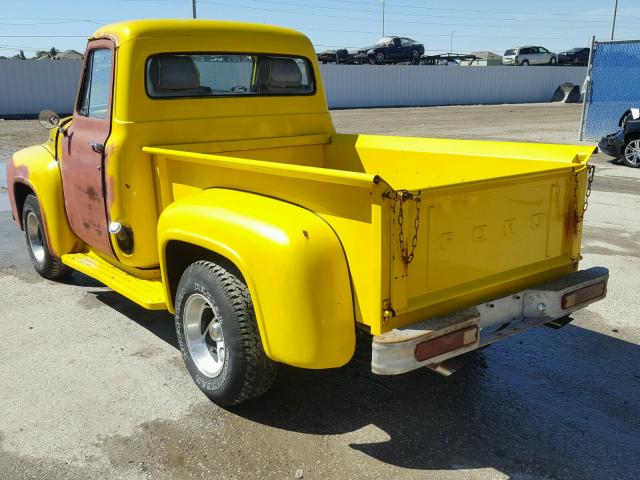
x=529, y=55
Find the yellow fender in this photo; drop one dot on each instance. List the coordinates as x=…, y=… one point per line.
x=291, y=260
x=36, y=168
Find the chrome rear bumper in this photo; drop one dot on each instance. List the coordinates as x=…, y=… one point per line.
x=399, y=350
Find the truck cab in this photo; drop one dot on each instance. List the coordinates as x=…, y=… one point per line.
x=200, y=173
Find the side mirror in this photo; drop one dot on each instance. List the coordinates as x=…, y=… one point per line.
x=49, y=119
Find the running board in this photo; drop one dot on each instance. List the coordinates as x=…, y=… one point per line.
x=146, y=293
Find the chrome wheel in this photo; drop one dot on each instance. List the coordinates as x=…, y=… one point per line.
x=203, y=335
x=34, y=235
x=632, y=153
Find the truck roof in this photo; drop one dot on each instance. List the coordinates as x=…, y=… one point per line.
x=130, y=30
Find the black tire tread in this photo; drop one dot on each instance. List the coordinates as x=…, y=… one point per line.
x=260, y=371
x=52, y=268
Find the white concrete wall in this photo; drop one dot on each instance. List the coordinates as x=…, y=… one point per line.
x=351, y=86
x=28, y=86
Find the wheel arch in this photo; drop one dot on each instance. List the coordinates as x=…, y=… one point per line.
x=290, y=259
x=632, y=135
x=21, y=191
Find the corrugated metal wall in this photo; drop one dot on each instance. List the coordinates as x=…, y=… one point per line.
x=28, y=86
x=350, y=86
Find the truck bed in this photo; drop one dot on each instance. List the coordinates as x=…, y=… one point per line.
x=494, y=218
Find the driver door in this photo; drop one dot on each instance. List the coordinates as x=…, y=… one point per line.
x=395, y=49
x=83, y=150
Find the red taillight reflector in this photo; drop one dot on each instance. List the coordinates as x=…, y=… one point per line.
x=583, y=295
x=446, y=343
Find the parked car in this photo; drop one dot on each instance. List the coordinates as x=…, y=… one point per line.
x=390, y=50
x=576, y=56
x=341, y=55
x=625, y=143
x=529, y=55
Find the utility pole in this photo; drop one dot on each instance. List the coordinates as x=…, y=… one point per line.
x=193, y=8
x=615, y=14
x=451, y=44
x=382, y=2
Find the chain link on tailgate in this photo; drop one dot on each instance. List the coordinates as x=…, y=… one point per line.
x=591, y=169
x=399, y=198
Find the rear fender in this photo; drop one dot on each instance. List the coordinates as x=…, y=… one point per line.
x=34, y=169
x=291, y=260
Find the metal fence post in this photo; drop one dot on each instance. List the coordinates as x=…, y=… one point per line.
x=587, y=87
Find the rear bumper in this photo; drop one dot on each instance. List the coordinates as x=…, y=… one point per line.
x=402, y=350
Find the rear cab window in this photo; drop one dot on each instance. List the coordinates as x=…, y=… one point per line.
x=179, y=75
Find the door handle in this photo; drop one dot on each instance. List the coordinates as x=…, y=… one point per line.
x=96, y=147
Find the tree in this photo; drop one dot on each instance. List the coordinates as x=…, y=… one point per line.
x=53, y=52
x=20, y=56
x=41, y=53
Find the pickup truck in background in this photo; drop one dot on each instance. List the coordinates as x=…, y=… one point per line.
x=201, y=173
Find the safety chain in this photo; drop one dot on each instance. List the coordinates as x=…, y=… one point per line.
x=591, y=170
x=399, y=198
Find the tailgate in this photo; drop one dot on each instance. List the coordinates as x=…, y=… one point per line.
x=453, y=246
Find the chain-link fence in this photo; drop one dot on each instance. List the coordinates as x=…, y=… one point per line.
x=613, y=88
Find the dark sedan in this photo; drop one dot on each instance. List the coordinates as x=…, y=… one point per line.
x=391, y=50
x=576, y=56
x=625, y=143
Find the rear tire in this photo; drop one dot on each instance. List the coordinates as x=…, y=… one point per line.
x=552, y=61
x=44, y=262
x=631, y=152
x=218, y=335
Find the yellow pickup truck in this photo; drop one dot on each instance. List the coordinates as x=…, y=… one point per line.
x=201, y=173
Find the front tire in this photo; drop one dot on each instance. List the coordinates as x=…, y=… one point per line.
x=525, y=63
x=631, y=152
x=44, y=262
x=378, y=58
x=218, y=335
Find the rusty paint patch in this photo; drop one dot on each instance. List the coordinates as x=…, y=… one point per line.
x=92, y=194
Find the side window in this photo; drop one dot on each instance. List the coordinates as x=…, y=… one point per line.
x=96, y=85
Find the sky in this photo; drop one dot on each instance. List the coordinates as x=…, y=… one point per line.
x=442, y=26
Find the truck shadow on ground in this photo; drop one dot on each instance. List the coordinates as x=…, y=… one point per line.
x=553, y=403
x=560, y=404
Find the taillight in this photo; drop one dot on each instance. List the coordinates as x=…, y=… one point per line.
x=583, y=295
x=446, y=343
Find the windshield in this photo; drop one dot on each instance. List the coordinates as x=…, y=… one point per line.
x=575, y=50
x=511, y=51
x=384, y=41
x=175, y=75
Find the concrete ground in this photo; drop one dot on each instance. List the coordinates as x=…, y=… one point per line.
x=92, y=386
